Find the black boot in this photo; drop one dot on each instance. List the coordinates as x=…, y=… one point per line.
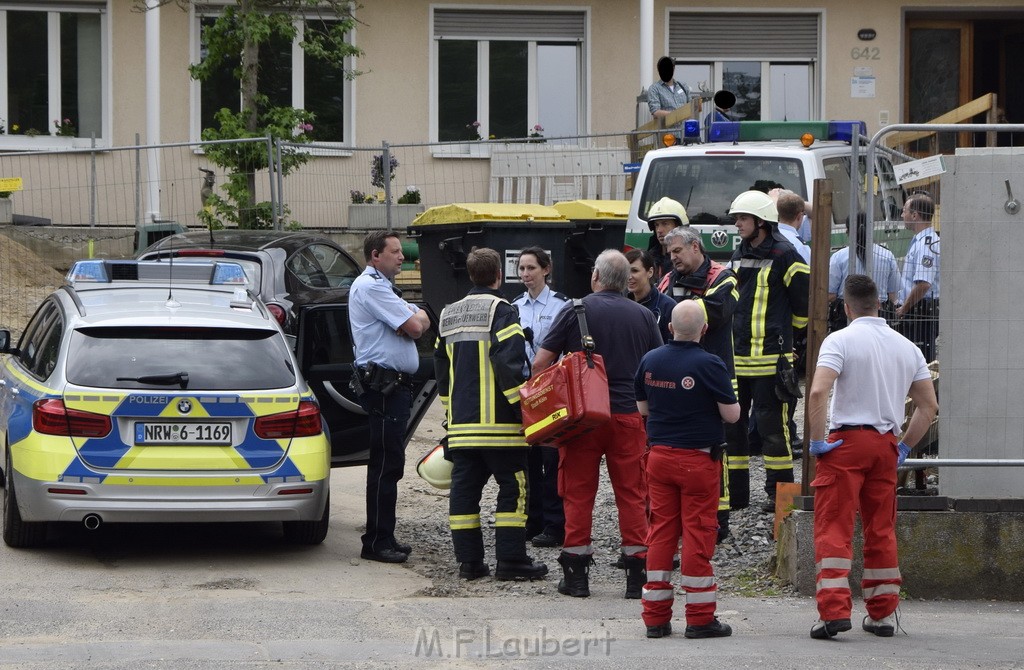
x=723, y=525
x=636, y=576
x=575, y=581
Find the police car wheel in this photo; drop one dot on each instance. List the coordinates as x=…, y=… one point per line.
x=18, y=533
x=309, y=532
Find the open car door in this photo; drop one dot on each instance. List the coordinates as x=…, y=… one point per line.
x=325, y=355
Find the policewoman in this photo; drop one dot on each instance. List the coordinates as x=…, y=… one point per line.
x=384, y=329
x=537, y=307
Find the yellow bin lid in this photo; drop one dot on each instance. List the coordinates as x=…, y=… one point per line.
x=593, y=209
x=482, y=212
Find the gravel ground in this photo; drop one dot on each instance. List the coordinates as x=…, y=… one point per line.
x=743, y=562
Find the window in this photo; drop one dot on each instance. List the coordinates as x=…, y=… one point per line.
x=500, y=73
x=768, y=62
x=51, y=68
x=40, y=344
x=289, y=78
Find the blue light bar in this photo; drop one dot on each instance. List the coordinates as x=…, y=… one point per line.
x=842, y=130
x=724, y=131
x=87, y=271
x=228, y=273
x=691, y=129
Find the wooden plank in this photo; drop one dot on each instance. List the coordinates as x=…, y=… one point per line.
x=963, y=113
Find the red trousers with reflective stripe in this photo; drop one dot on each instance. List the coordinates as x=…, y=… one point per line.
x=622, y=442
x=858, y=474
x=683, y=485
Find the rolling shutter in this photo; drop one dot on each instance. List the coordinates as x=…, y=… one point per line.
x=708, y=36
x=508, y=24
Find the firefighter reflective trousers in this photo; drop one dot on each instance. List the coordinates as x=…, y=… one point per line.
x=757, y=394
x=622, y=441
x=471, y=468
x=858, y=474
x=683, y=485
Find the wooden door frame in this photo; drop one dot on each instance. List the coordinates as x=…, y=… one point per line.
x=966, y=83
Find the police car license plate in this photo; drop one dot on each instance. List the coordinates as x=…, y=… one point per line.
x=214, y=433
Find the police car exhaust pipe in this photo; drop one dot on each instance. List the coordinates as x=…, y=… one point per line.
x=92, y=521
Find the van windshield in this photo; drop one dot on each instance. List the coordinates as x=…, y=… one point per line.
x=706, y=185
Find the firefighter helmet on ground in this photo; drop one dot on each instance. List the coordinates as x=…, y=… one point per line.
x=756, y=204
x=667, y=208
x=434, y=469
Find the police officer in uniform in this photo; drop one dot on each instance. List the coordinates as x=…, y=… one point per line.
x=480, y=362
x=538, y=306
x=384, y=328
x=919, y=296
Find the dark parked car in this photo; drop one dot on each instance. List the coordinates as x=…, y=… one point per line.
x=304, y=280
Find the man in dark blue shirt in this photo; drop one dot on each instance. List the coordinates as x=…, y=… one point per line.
x=686, y=393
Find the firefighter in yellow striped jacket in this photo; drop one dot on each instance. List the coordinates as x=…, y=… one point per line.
x=480, y=360
x=773, y=283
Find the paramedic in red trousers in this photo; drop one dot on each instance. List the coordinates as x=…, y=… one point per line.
x=870, y=370
x=711, y=285
x=623, y=331
x=480, y=361
x=773, y=291
x=384, y=329
x=685, y=393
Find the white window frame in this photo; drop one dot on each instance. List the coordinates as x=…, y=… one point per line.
x=47, y=140
x=298, y=79
x=717, y=67
x=483, y=77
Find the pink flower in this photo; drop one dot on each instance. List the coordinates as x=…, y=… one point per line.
x=475, y=124
x=538, y=128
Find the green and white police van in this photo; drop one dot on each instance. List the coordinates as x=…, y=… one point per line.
x=741, y=155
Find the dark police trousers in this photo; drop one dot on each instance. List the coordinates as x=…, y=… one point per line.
x=471, y=468
x=546, y=514
x=389, y=418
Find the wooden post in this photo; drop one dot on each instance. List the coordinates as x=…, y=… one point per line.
x=817, y=313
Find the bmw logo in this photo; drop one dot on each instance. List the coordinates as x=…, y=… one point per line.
x=719, y=238
x=184, y=406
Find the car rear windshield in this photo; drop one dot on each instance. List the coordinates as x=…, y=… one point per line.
x=707, y=185
x=213, y=359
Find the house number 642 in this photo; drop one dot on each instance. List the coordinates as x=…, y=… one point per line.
x=866, y=53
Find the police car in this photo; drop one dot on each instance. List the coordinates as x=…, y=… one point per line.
x=155, y=392
x=742, y=155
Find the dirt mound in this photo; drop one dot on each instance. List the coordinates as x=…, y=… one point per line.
x=25, y=279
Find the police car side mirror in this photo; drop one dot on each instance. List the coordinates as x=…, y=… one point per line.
x=5, y=344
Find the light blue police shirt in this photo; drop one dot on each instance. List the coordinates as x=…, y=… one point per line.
x=376, y=313
x=922, y=264
x=538, y=315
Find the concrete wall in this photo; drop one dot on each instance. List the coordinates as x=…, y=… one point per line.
x=955, y=555
x=981, y=407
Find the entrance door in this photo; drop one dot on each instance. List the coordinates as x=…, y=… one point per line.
x=938, y=72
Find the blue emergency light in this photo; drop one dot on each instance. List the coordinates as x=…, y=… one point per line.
x=805, y=131
x=691, y=130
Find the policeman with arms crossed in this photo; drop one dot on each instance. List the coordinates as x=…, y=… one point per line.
x=383, y=328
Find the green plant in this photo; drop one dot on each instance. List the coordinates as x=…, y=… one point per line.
x=65, y=128
x=31, y=132
x=5, y=194
x=410, y=197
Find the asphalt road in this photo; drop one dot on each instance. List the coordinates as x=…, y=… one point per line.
x=235, y=596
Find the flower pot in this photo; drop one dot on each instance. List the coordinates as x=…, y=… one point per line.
x=375, y=216
x=6, y=210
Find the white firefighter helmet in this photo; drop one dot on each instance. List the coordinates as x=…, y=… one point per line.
x=756, y=204
x=667, y=208
x=434, y=469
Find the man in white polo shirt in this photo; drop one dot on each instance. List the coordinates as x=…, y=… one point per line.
x=873, y=369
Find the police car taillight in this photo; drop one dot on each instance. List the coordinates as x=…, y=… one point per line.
x=277, y=312
x=51, y=417
x=303, y=422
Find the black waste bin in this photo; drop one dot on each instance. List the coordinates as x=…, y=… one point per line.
x=597, y=225
x=448, y=233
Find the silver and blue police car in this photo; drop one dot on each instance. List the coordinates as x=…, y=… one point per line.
x=158, y=392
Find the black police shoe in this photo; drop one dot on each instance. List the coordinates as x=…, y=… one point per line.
x=401, y=546
x=714, y=629
x=386, y=555
x=823, y=630
x=547, y=540
x=473, y=570
x=660, y=630
x=528, y=569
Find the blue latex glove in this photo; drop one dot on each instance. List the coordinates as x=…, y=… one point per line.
x=819, y=447
x=904, y=452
